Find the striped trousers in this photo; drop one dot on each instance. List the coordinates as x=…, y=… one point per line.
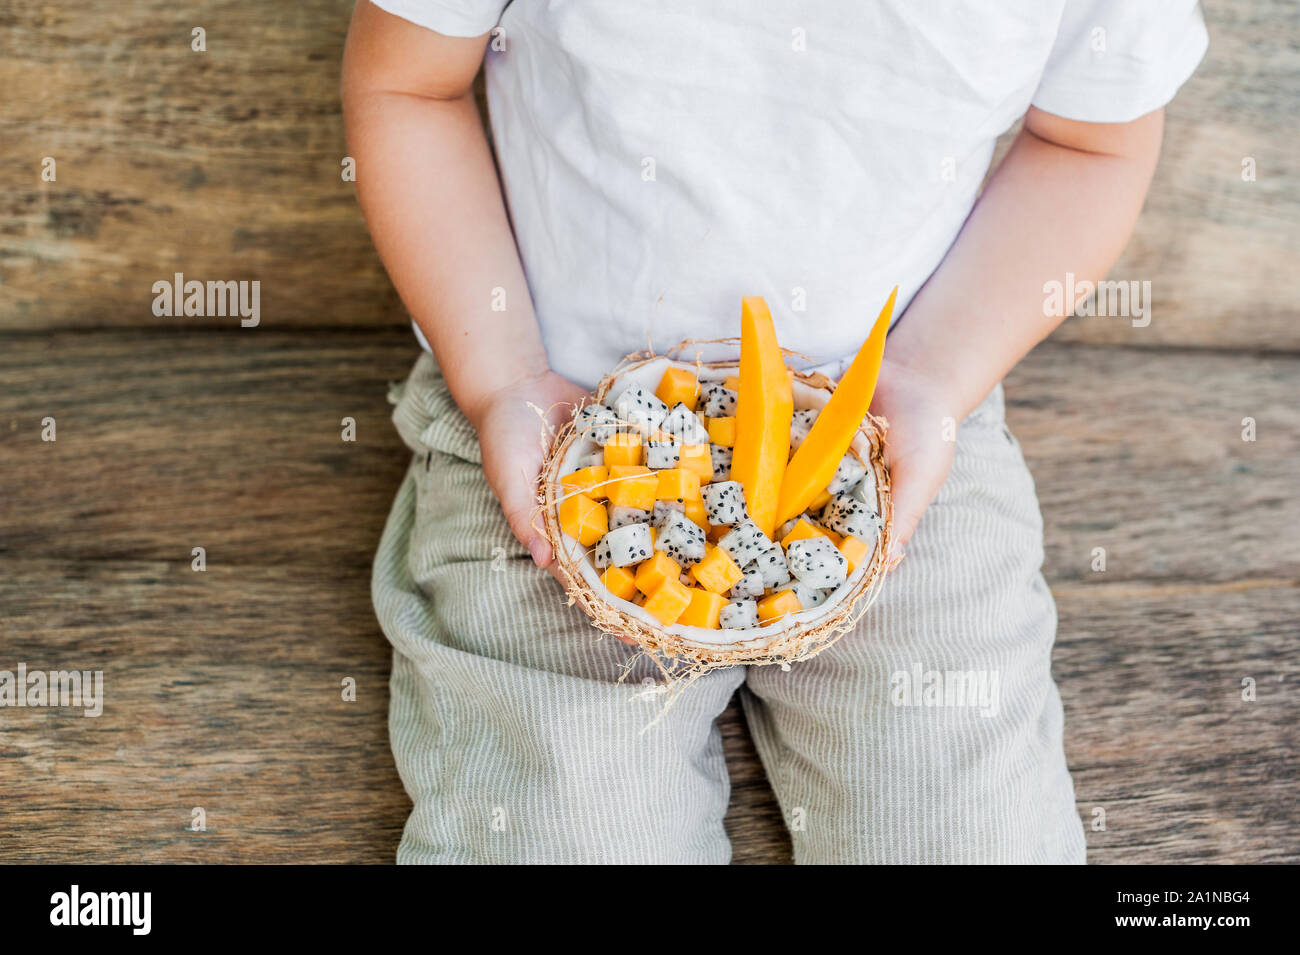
x=931, y=734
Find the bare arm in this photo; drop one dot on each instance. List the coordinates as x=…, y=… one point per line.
x=1064, y=199
x=431, y=197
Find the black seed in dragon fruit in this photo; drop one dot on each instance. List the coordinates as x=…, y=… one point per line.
x=845, y=514
x=623, y=516
x=684, y=425
x=664, y=510
x=739, y=615
x=745, y=543
x=598, y=423
x=718, y=400
x=639, y=409
x=721, y=462
x=629, y=544
x=800, y=424
x=848, y=473
x=816, y=562
x=772, y=566
x=682, y=540
x=751, y=585
x=662, y=454
x=724, y=502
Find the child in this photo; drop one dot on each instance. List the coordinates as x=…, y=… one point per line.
x=659, y=161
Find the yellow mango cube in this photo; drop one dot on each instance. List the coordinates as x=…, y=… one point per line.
x=583, y=519
x=855, y=551
x=669, y=602
x=678, y=484
x=802, y=530
x=704, y=609
x=619, y=582
x=696, y=457
x=590, y=481
x=650, y=574
x=696, y=511
x=717, y=572
x=678, y=385
x=722, y=431
x=632, y=485
x=624, y=449
x=778, y=605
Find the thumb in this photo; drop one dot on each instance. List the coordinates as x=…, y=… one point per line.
x=905, y=521
x=518, y=497
x=910, y=501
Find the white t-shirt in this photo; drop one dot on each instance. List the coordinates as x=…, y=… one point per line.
x=661, y=160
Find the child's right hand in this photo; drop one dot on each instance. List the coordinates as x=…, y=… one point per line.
x=514, y=443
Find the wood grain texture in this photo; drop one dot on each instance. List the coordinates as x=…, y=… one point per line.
x=1141, y=453
x=226, y=165
x=1213, y=246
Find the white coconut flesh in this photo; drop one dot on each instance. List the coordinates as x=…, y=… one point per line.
x=648, y=376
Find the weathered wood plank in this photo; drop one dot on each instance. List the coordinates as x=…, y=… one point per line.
x=231, y=441
x=226, y=165
x=222, y=690
x=1141, y=453
x=1213, y=245
x=1157, y=733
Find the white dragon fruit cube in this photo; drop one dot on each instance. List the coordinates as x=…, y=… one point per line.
x=598, y=423
x=847, y=473
x=751, y=585
x=662, y=454
x=721, y=462
x=600, y=556
x=845, y=514
x=682, y=423
x=800, y=424
x=809, y=597
x=718, y=400
x=629, y=544
x=772, y=566
x=622, y=516
x=639, y=409
x=739, y=615
x=816, y=562
x=682, y=540
x=724, y=501
x=664, y=510
x=865, y=491
x=595, y=459
x=745, y=543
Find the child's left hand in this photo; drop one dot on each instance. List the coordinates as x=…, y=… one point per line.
x=916, y=453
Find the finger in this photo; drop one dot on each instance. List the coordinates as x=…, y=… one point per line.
x=910, y=502
x=518, y=503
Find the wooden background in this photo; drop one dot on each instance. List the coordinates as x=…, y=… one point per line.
x=223, y=687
